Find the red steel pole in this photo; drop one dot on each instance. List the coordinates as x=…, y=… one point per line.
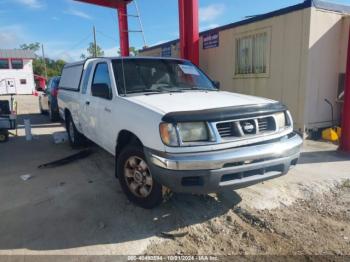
x=345, y=137
x=182, y=28
x=189, y=30
x=123, y=29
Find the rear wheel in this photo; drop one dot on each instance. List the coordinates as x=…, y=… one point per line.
x=76, y=139
x=54, y=117
x=4, y=136
x=136, y=179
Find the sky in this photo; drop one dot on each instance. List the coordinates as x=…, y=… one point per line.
x=64, y=27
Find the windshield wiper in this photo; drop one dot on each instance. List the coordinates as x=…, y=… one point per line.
x=158, y=90
x=197, y=88
x=168, y=89
x=144, y=91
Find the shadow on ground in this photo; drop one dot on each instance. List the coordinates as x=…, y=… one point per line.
x=315, y=157
x=81, y=204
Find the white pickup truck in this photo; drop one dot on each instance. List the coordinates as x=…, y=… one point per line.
x=169, y=126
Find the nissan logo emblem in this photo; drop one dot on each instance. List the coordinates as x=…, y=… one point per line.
x=248, y=127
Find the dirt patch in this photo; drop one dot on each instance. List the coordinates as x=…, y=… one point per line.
x=318, y=226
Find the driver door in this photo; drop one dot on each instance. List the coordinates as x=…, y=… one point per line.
x=101, y=108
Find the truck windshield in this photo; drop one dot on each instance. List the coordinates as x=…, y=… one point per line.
x=147, y=75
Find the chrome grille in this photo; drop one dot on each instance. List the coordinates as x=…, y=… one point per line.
x=266, y=124
x=239, y=128
x=226, y=129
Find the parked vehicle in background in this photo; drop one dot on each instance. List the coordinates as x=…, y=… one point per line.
x=48, y=99
x=7, y=119
x=169, y=127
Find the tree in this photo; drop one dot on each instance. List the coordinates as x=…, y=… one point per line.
x=35, y=47
x=132, y=50
x=91, y=51
x=38, y=67
x=54, y=68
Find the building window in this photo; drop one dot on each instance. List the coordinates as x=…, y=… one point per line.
x=17, y=63
x=4, y=64
x=23, y=81
x=252, y=54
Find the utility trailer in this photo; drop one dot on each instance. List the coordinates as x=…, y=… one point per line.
x=8, y=118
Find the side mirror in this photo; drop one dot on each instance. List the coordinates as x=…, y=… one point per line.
x=216, y=84
x=101, y=90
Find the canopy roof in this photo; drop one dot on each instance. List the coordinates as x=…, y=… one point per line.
x=106, y=3
x=17, y=53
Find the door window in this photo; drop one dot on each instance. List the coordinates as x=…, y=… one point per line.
x=86, y=78
x=101, y=77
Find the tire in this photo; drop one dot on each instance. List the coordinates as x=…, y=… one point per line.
x=4, y=136
x=54, y=116
x=75, y=138
x=137, y=183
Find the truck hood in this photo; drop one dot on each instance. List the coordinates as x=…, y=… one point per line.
x=195, y=100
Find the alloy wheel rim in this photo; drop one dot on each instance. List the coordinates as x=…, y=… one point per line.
x=138, y=177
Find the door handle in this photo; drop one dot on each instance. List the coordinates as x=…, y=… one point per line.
x=107, y=110
x=87, y=103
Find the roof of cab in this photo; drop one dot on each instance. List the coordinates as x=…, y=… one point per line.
x=82, y=62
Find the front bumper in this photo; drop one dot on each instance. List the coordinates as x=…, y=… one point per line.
x=208, y=172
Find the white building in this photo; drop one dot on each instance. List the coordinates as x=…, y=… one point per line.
x=296, y=55
x=16, y=71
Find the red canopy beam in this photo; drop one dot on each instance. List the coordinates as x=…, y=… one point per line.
x=121, y=6
x=123, y=29
x=189, y=26
x=189, y=30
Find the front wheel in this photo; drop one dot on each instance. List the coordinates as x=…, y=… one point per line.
x=136, y=179
x=4, y=136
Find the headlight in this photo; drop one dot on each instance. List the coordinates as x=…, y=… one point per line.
x=173, y=134
x=168, y=134
x=193, y=132
x=281, y=120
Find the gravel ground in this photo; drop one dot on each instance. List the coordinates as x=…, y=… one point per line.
x=318, y=226
x=80, y=210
